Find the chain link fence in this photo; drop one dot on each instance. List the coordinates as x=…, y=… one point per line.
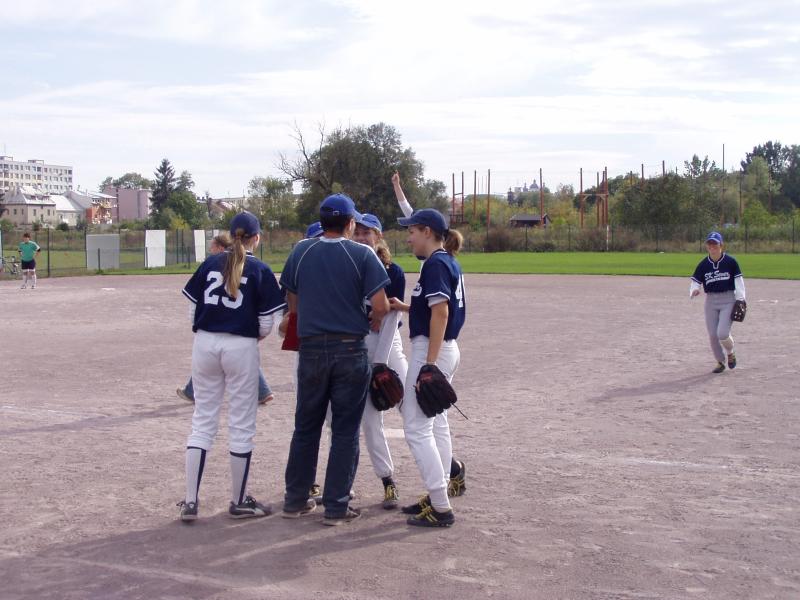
x=68, y=253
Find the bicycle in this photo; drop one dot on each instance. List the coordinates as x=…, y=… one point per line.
x=10, y=266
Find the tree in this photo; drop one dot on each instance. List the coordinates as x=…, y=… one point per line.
x=129, y=180
x=6, y=225
x=359, y=161
x=775, y=154
x=185, y=182
x=185, y=207
x=163, y=186
x=272, y=201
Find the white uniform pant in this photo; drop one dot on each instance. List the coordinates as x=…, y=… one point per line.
x=220, y=362
x=372, y=421
x=429, y=438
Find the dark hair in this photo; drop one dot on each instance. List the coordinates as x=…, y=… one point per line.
x=27, y=235
x=335, y=224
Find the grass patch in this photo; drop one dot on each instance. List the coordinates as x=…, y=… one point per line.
x=761, y=266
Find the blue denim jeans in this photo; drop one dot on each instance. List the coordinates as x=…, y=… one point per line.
x=335, y=372
x=263, y=387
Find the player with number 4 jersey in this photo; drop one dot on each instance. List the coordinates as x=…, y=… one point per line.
x=436, y=315
x=234, y=297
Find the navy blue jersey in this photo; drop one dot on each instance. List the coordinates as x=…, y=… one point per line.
x=332, y=277
x=216, y=311
x=717, y=276
x=440, y=276
x=397, y=283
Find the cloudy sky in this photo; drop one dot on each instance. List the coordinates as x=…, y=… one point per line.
x=514, y=86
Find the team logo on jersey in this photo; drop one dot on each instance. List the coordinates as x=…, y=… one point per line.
x=417, y=290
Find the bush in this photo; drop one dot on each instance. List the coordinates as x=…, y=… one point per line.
x=62, y=226
x=498, y=240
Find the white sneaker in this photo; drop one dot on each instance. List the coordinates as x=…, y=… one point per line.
x=23, y=286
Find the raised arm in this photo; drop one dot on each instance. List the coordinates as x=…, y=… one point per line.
x=405, y=206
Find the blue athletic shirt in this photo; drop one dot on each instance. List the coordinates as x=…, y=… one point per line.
x=216, y=311
x=440, y=276
x=332, y=277
x=717, y=277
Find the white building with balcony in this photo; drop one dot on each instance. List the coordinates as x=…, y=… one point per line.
x=51, y=179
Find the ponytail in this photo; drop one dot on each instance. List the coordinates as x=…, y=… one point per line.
x=453, y=241
x=234, y=265
x=222, y=239
x=383, y=252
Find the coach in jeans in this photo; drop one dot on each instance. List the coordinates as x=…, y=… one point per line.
x=327, y=280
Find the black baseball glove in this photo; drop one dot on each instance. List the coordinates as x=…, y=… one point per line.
x=739, y=310
x=434, y=392
x=385, y=389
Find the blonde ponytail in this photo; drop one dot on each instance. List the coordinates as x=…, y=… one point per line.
x=453, y=242
x=234, y=265
x=383, y=252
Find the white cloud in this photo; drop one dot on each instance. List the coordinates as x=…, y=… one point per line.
x=544, y=84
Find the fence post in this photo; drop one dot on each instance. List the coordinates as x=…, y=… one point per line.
x=98, y=259
x=657, y=240
x=526, y=238
x=48, y=252
x=792, y=235
x=569, y=237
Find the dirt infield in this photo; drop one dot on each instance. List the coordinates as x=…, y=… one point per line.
x=604, y=460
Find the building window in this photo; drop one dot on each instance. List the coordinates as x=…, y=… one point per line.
x=34, y=212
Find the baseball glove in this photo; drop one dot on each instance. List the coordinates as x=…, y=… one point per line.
x=385, y=389
x=434, y=392
x=739, y=310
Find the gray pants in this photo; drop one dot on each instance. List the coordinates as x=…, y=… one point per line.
x=718, y=323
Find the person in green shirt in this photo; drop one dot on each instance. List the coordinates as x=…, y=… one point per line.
x=28, y=250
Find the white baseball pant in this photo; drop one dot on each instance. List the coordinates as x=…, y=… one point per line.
x=384, y=347
x=220, y=362
x=429, y=438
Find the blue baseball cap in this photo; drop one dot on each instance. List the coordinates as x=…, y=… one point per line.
x=314, y=230
x=427, y=217
x=371, y=221
x=339, y=205
x=714, y=236
x=247, y=222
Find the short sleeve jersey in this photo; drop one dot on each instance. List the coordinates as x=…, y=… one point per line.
x=717, y=277
x=216, y=311
x=331, y=278
x=28, y=250
x=440, y=276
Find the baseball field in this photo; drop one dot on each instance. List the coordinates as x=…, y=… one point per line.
x=604, y=460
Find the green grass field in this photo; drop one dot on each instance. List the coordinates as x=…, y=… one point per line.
x=760, y=266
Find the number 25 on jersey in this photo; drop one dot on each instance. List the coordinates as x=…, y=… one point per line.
x=216, y=280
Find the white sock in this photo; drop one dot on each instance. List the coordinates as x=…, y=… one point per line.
x=33, y=278
x=727, y=343
x=195, y=462
x=240, y=468
x=24, y=278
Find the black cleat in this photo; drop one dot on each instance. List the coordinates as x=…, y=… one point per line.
x=310, y=506
x=731, y=361
x=415, y=509
x=351, y=515
x=719, y=368
x=430, y=517
x=390, y=496
x=458, y=484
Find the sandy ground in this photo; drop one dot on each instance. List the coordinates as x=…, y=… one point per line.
x=604, y=460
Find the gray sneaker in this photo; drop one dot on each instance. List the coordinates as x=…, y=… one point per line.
x=351, y=515
x=248, y=509
x=188, y=510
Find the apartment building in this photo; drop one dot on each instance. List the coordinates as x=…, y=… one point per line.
x=50, y=179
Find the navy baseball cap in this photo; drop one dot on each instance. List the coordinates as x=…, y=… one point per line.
x=427, y=217
x=339, y=205
x=246, y=221
x=714, y=236
x=371, y=221
x=314, y=230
